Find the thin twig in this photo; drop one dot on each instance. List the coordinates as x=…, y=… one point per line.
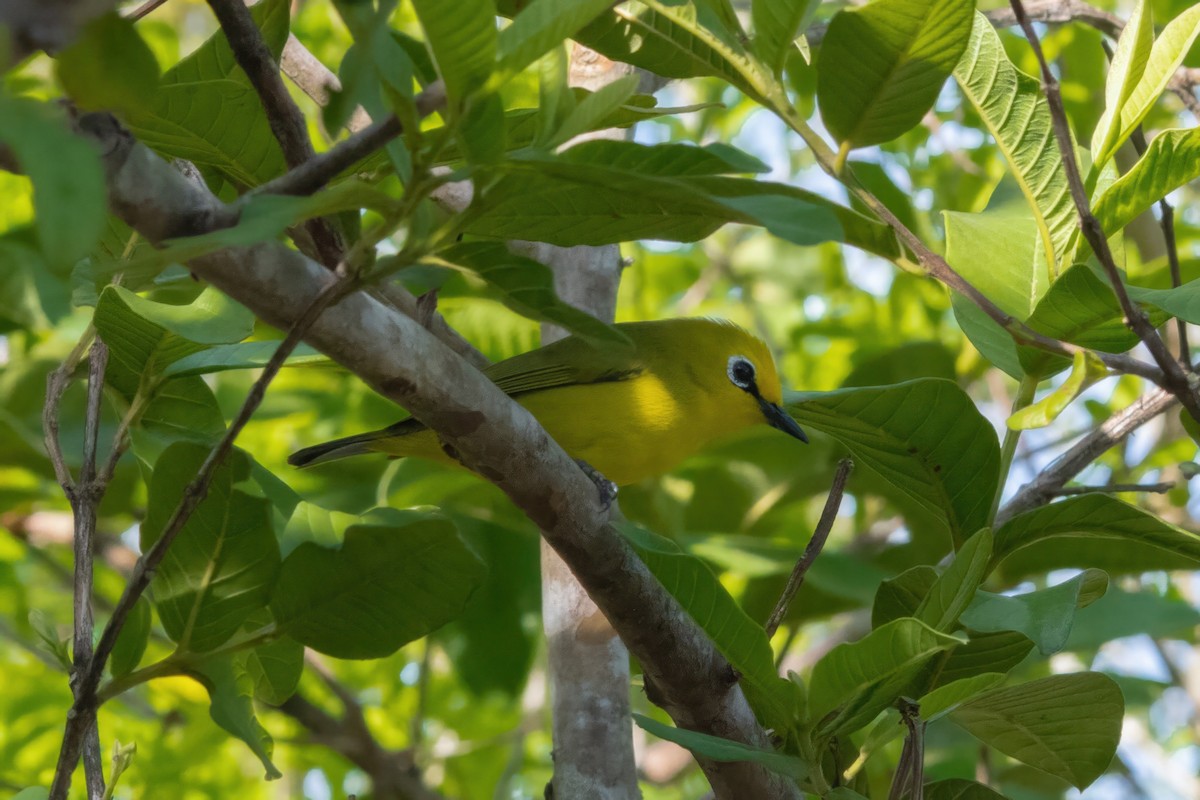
x=813, y=549
x=1135, y=318
x=1167, y=222
x=1157, y=488
x=283, y=115
x=84, y=706
x=84, y=504
x=144, y=9
x=1113, y=431
x=316, y=172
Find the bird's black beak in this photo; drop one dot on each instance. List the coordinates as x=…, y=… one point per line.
x=780, y=420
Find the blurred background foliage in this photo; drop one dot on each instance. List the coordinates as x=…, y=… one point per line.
x=470, y=700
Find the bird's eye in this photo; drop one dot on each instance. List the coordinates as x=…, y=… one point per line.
x=741, y=372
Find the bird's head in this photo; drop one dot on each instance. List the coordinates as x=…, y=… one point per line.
x=750, y=381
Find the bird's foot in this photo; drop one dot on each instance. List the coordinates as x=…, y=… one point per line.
x=606, y=488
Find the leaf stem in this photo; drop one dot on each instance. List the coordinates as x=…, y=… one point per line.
x=1025, y=393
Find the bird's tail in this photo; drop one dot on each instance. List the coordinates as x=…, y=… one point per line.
x=338, y=448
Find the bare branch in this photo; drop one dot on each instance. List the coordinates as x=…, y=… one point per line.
x=315, y=79
x=1176, y=379
x=1043, y=488
x=813, y=549
x=84, y=708
x=1157, y=488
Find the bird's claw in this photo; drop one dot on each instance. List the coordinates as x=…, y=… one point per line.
x=604, y=487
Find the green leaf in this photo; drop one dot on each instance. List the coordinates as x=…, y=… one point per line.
x=1125, y=71
x=715, y=748
x=1119, y=614
x=984, y=653
x=925, y=437
x=243, y=355
x=56, y=645
x=960, y=789
x=592, y=109
x=881, y=66
x=526, y=286
x=218, y=124
x=132, y=640
x=32, y=793
x=1015, y=112
x=1079, y=307
x=214, y=59
x=1165, y=57
x=740, y=639
x=69, y=196
x=231, y=692
x=1085, y=371
x=182, y=409
x=944, y=699
x=863, y=678
x=1045, y=616
x=953, y=590
x=462, y=37
x=663, y=44
x=540, y=26
x=996, y=251
x=1065, y=725
x=221, y=566
x=1096, y=518
x=109, y=67
x=274, y=668
x=902, y=595
x=1182, y=302
x=777, y=23
x=993, y=342
x=1171, y=160
x=145, y=337
x=397, y=576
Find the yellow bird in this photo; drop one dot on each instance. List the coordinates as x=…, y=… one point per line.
x=628, y=412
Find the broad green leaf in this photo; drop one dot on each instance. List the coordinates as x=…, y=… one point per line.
x=1085, y=370
x=1015, y=112
x=902, y=595
x=860, y=679
x=984, y=653
x=715, y=748
x=960, y=789
x=132, y=640
x=540, y=26
x=1182, y=302
x=1165, y=57
x=592, y=108
x=996, y=251
x=524, y=285
x=992, y=341
x=109, y=67
x=740, y=639
x=397, y=576
x=1079, y=307
x=182, y=409
x=69, y=196
x=462, y=37
x=953, y=590
x=882, y=65
x=1124, y=72
x=32, y=793
x=274, y=668
x=1045, y=615
x=1172, y=160
x=603, y=192
x=1090, y=520
x=777, y=23
x=925, y=437
x=944, y=699
x=145, y=337
x=221, y=566
x=1065, y=725
x=242, y=355
x=217, y=124
x=1119, y=614
x=231, y=694
x=660, y=44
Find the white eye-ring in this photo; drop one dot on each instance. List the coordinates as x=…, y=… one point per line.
x=740, y=372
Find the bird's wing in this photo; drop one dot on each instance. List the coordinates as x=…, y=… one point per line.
x=567, y=362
